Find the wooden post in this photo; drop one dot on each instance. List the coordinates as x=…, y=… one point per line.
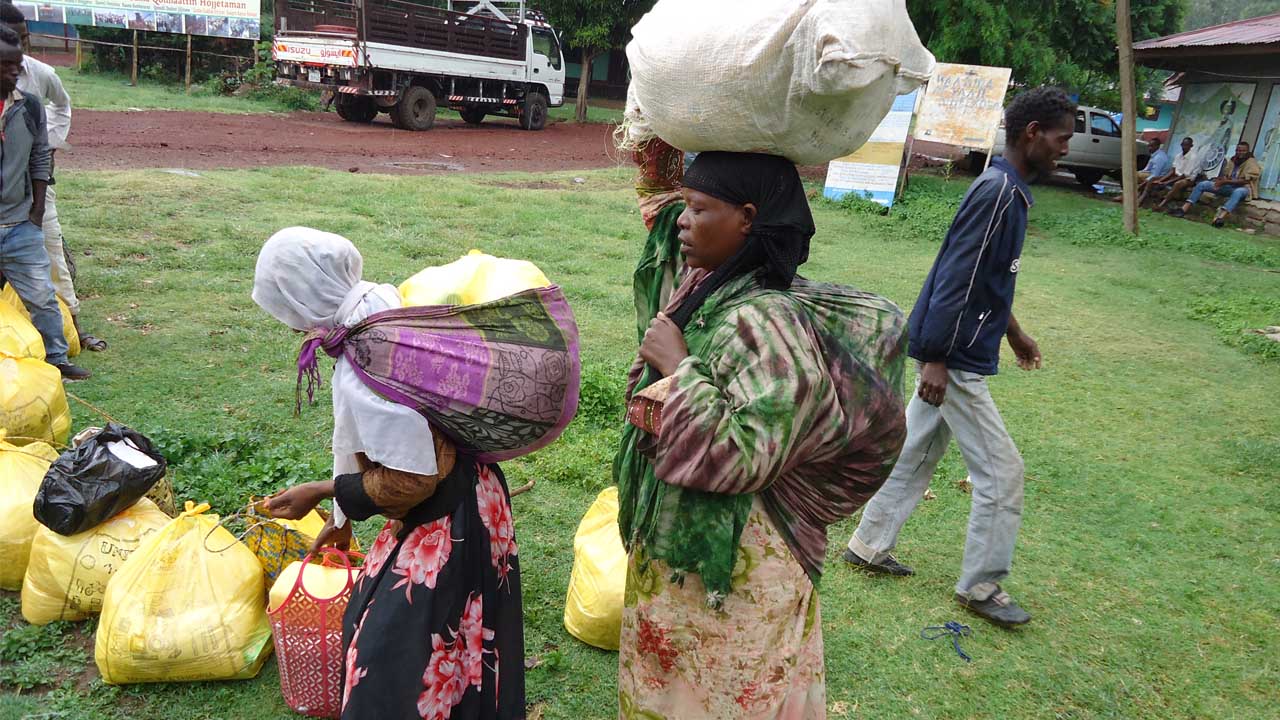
x=79, y=54
x=133, y=76
x=1129, y=124
x=188, y=63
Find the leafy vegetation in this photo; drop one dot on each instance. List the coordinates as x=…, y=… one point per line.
x=1070, y=43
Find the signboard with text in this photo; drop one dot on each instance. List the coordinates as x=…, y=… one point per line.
x=963, y=105
x=219, y=18
x=872, y=170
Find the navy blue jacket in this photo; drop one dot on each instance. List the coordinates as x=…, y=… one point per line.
x=963, y=311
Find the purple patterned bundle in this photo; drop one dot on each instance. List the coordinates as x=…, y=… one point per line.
x=501, y=379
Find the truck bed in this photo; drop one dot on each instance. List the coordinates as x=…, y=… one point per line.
x=398, y=25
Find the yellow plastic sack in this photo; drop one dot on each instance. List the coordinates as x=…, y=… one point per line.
x=10, y=296
x=473, y=279
x=67, y=576
x=593, y=610
x=21, y=471
x=18, y=337
x=177, y=611
x=33, y=403
x=322, y=581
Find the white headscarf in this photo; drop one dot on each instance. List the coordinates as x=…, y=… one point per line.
x=303, y=276
x=310, y=279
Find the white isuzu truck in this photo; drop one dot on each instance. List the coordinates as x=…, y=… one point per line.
x=479, y=57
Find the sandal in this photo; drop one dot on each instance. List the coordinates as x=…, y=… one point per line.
x=1219, y=222
x=92, y=344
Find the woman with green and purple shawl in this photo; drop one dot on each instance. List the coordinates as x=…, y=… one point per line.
x=779, y=411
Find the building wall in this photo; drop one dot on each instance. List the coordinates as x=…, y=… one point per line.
x=609, y=74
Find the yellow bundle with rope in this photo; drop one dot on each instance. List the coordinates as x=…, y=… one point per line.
x=33, y=403
x=189, y=604
x=67, y=576
x=22, y=468
x=10, y=296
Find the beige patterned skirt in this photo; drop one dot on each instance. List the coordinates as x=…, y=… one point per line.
x=758, y=656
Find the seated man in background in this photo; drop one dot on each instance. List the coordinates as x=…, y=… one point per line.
x=1237, y=182
x=1158, y=165
x=1182, y=174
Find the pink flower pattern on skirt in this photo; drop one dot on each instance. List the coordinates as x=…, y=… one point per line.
x=353, y=673
x=495, y=513
x=382, y=548
x=456, y=664
x=422, y=555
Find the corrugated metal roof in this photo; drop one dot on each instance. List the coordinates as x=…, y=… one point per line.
x=1254, y=31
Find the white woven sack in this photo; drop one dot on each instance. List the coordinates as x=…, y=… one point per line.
x=809, y=80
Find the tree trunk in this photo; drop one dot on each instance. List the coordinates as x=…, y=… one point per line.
x=584, y=82
x=1129, y=125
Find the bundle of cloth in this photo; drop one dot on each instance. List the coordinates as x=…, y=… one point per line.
x=807, y=80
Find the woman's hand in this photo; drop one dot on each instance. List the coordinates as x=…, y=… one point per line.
x=663, y=346
x=330, y=535
x=297, y=501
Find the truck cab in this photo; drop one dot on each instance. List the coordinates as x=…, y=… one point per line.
x=479, y=57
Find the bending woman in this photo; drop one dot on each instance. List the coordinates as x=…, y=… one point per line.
x=762, y=409
x=434, y=626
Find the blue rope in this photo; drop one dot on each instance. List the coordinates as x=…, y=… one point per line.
x=953, y=629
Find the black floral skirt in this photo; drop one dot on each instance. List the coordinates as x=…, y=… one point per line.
x=434, y=627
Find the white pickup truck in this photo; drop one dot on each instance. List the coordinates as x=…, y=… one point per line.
x=1095, y=149
x=479, y=57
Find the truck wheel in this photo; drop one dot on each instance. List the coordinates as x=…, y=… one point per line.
x=534, y=116
x=416, y=109
x=354, y=108
x=1088, y=177
x=472, y=116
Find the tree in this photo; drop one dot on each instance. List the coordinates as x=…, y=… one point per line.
x=1070, y=43
x=1124, y=35
x=1204, y=13
x=594, y=27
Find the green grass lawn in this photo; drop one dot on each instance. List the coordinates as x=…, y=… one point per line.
x=111, y=91
x=1148, y=552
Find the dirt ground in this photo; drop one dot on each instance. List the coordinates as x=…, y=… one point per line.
x=201, y=141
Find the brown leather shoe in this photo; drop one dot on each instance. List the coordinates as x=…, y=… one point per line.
x=72, y=373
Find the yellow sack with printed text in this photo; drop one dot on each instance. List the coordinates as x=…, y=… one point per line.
x=18, y=337
x=22, y=470
x=473, y=279
x=179, y=611
x=593, y=610
x=33, y=403
x=10, y=296
x=67, y=576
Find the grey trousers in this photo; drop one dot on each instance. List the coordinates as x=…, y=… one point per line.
x=995, y=468
x=58, y=270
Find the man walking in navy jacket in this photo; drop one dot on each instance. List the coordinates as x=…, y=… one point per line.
x=963, y=312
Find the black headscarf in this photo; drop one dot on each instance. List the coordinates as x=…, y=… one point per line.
x=778, y=242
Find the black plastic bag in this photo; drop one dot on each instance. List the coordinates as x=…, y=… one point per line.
x=90, y=484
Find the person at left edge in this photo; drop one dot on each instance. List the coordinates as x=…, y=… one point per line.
x=25, y=162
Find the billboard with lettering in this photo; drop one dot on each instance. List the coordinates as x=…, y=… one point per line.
x=962, y=105
x=220, y=18
x=872, y=170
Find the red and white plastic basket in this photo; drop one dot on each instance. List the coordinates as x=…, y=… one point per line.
x=308, y=639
